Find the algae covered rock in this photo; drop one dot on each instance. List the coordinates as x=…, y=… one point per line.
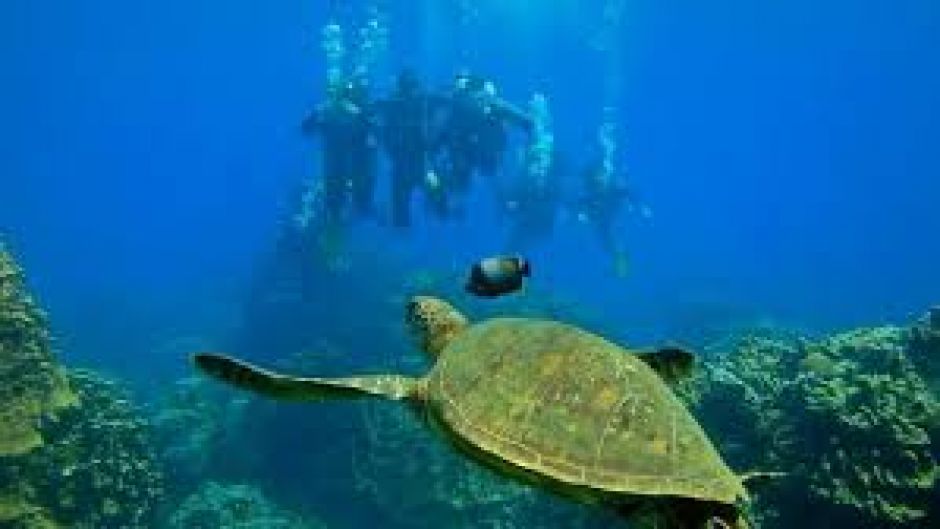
x=74, y=451
x=849, y=418
x=17, y=513
x=924, y=347
x=32, y=385
x=867, y=419
x=194, y=424
x=97, y=468
x=230, y=506
x=747, y=399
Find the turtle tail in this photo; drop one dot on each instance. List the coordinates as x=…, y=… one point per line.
x=252, y=378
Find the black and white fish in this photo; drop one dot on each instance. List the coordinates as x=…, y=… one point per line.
x=495, y=276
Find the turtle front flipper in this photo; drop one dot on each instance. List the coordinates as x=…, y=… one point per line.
x=285, y=387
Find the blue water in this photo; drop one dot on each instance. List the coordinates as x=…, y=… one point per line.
x=789, y=152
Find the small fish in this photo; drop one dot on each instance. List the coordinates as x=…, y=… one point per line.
x=495, y=276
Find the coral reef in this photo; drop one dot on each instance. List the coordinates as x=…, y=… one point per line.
x=32, y=385
x=97, y=468
x=866, y=415
x=924, y=347
x=227, y=506
x=17, y=513
x=849, y=418
x=193, y=424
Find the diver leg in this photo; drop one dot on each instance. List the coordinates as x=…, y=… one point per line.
x=334, y=190
x=401, y=196
x=363, y=181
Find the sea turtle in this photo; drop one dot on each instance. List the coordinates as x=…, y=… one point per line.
x=550, y=404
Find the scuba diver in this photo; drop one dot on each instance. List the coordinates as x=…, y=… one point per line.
x=345, y=122
x=459, y=134
x=532, y=200
x=406, y=121
x=532, y=203
x=493, y=137
x=473, y=134
x=600, y=203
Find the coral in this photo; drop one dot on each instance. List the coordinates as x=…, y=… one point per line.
x=227, y=506
x=748, y=396
x=865, y=417
x=192, y=425
x=17, y=513
x=32, y=385
x=72, y=447
x=97, y=468
x=848, y=417
x=924, y=347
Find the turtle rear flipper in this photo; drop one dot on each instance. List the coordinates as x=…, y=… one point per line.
x=671, y=363
x=285, y=387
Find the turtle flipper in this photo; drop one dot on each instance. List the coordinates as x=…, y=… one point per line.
x=671, y=363
x=275, y=385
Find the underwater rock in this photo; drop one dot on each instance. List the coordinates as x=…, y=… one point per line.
x=97, y=468
x=193, y=424
x=848, y=417
x=17, y=513
x=745, y=391
x=228, y=506
x=924, y=347
x=32, y=384
x=867, y=421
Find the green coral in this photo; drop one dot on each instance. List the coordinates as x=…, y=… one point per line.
x=867, y=423
x=746, y=396
x=97, y=468
x=228, y=506
x=192, y=425
x=924, y=347
x=848, y=417
x=17, y=513
x=32, y=385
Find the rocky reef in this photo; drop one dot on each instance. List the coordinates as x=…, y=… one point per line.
x=74, y=451
x=97, y=468
x=33, y=385
x=230, y=506
x=923, y=347
x=851, y=419
x=194, y=425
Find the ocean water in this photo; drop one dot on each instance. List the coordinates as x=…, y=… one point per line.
x=786, y=160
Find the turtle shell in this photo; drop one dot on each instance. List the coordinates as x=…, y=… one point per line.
x=571, y=407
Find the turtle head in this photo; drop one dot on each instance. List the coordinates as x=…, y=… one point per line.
x=434, y=323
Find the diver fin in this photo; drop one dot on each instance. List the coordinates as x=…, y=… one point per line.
x=672, y=364
x=284, y=387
